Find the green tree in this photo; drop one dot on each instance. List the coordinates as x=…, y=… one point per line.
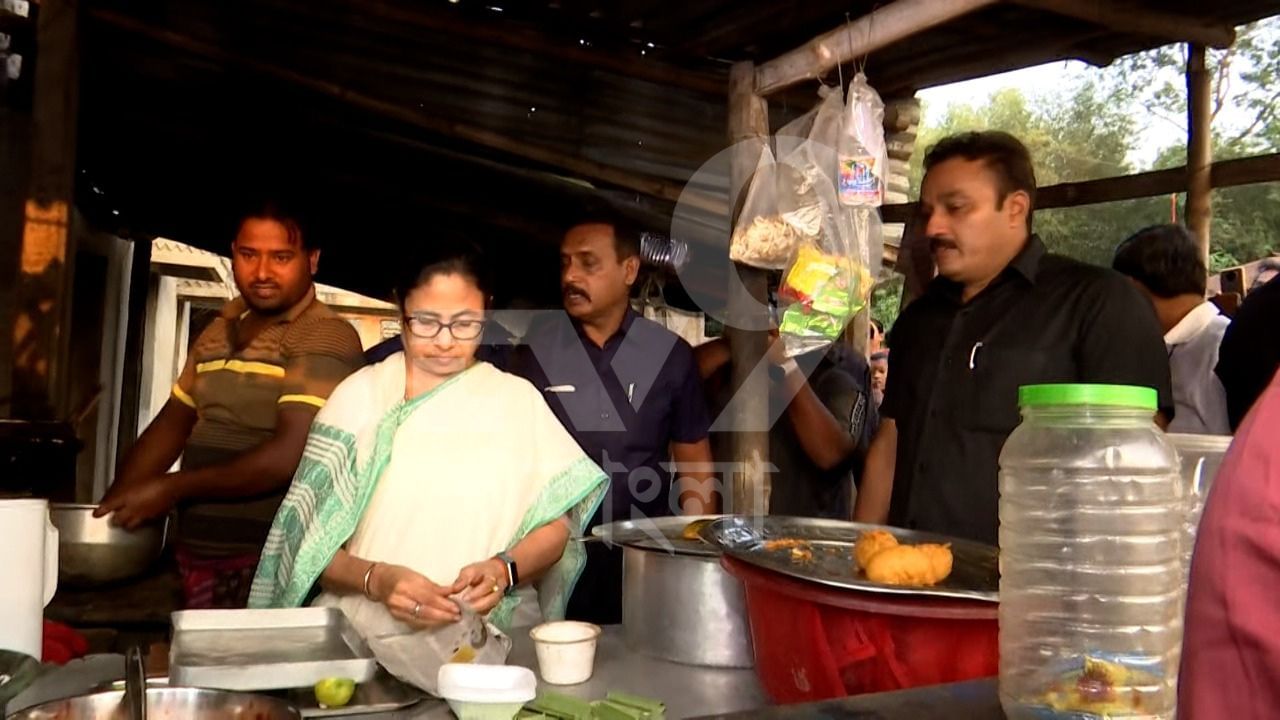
x=1092, y=128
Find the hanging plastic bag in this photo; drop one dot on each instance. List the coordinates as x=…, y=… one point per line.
x=863, y=155
x=761, y=237
x=828, y=281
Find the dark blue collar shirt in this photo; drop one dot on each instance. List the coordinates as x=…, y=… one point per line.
x=625, y=403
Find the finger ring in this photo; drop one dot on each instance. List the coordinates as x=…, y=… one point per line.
x=416, y=608
x=496, y=588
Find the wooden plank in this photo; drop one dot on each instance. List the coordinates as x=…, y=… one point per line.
x=888, y=24
x=620, y=177
x=1125, y=17
x=748, y=297
x=1225, y=173
x=1199, y=150
x=43, y=285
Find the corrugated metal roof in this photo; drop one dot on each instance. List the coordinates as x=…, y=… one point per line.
x=173, y=135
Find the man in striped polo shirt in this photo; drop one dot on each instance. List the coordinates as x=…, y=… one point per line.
x=239, y=413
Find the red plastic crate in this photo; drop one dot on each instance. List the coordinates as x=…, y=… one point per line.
x=814, y=642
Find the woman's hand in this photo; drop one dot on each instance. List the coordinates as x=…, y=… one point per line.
x=411, y=597
x=482, y=584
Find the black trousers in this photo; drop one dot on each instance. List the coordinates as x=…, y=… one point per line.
x=598, y=595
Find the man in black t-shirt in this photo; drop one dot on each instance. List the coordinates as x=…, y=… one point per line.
x=822, y=420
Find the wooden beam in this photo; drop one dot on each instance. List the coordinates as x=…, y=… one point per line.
x=748, y=318
x=646, y=185
x=1199, y=150
x=1222, y=174
x=888, y=24
x=1139, y=20
x=43, y=288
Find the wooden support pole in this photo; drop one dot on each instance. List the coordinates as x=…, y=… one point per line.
x=748, y=298
x=1199, y=149
x=886, y=25
x=43, y=286
x=1124, y=17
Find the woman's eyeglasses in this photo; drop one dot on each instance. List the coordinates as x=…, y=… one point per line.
x=428, y=327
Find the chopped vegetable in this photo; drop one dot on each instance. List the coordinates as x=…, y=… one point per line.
x=635, y=701
x=561, y=706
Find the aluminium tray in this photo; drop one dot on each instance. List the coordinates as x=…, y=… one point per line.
x=266, y=649
x=661, y=534
x=975, y=573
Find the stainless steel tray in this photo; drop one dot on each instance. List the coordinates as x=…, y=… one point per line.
x=266, y=649
x=383, y=693
x=663, y=534
x=975, y=570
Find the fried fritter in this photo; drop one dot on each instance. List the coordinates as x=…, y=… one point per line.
x=872, y=542
x=921, y=565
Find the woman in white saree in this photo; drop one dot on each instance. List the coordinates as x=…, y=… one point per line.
x=426, y=475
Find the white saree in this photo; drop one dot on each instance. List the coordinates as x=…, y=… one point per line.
x=435, y=483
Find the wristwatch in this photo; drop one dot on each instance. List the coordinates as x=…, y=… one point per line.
x=513, y=574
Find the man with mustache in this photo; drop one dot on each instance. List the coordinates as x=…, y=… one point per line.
x=239, y=413
x=628, y=391
x=1003, y=312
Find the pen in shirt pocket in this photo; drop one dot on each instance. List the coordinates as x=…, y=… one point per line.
x=973, y=355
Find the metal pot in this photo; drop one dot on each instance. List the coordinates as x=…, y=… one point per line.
x=166, y=702
x=678, y=604
x=92, y=551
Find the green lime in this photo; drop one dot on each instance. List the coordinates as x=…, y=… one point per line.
x=335, y=692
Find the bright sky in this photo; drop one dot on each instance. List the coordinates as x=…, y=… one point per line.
x=1158, y=132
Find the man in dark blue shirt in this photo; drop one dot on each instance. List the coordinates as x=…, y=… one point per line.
x=628, y=391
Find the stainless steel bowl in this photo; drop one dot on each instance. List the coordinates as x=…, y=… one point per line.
x=185, y=703
x=92, y=551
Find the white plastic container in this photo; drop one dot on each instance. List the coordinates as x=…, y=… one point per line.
x=1091, y=582
x=566, y=651
x=486, y=692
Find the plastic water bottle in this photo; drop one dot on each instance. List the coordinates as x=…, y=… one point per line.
x=1091, y=514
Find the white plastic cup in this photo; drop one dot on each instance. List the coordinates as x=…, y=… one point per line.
x=566, y=651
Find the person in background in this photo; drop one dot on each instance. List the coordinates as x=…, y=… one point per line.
x=1250, y=351
x=822, y=418
x=879, y=375
x=1002, y=313
x=628, y=391
x=1268, y=269
x=1164, y=262
x=239, y=413
x=1231, y=647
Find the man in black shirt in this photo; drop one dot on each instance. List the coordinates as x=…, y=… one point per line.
x=1250, y=351
x=1003, y=313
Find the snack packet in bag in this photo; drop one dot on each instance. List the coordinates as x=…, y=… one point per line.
x=820, y=293
x=416, y=657
x=829, y=279
x=762, y=238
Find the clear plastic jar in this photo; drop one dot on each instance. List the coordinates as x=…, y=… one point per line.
x=1091, y=514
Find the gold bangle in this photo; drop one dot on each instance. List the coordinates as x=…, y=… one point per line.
x=369, y=574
